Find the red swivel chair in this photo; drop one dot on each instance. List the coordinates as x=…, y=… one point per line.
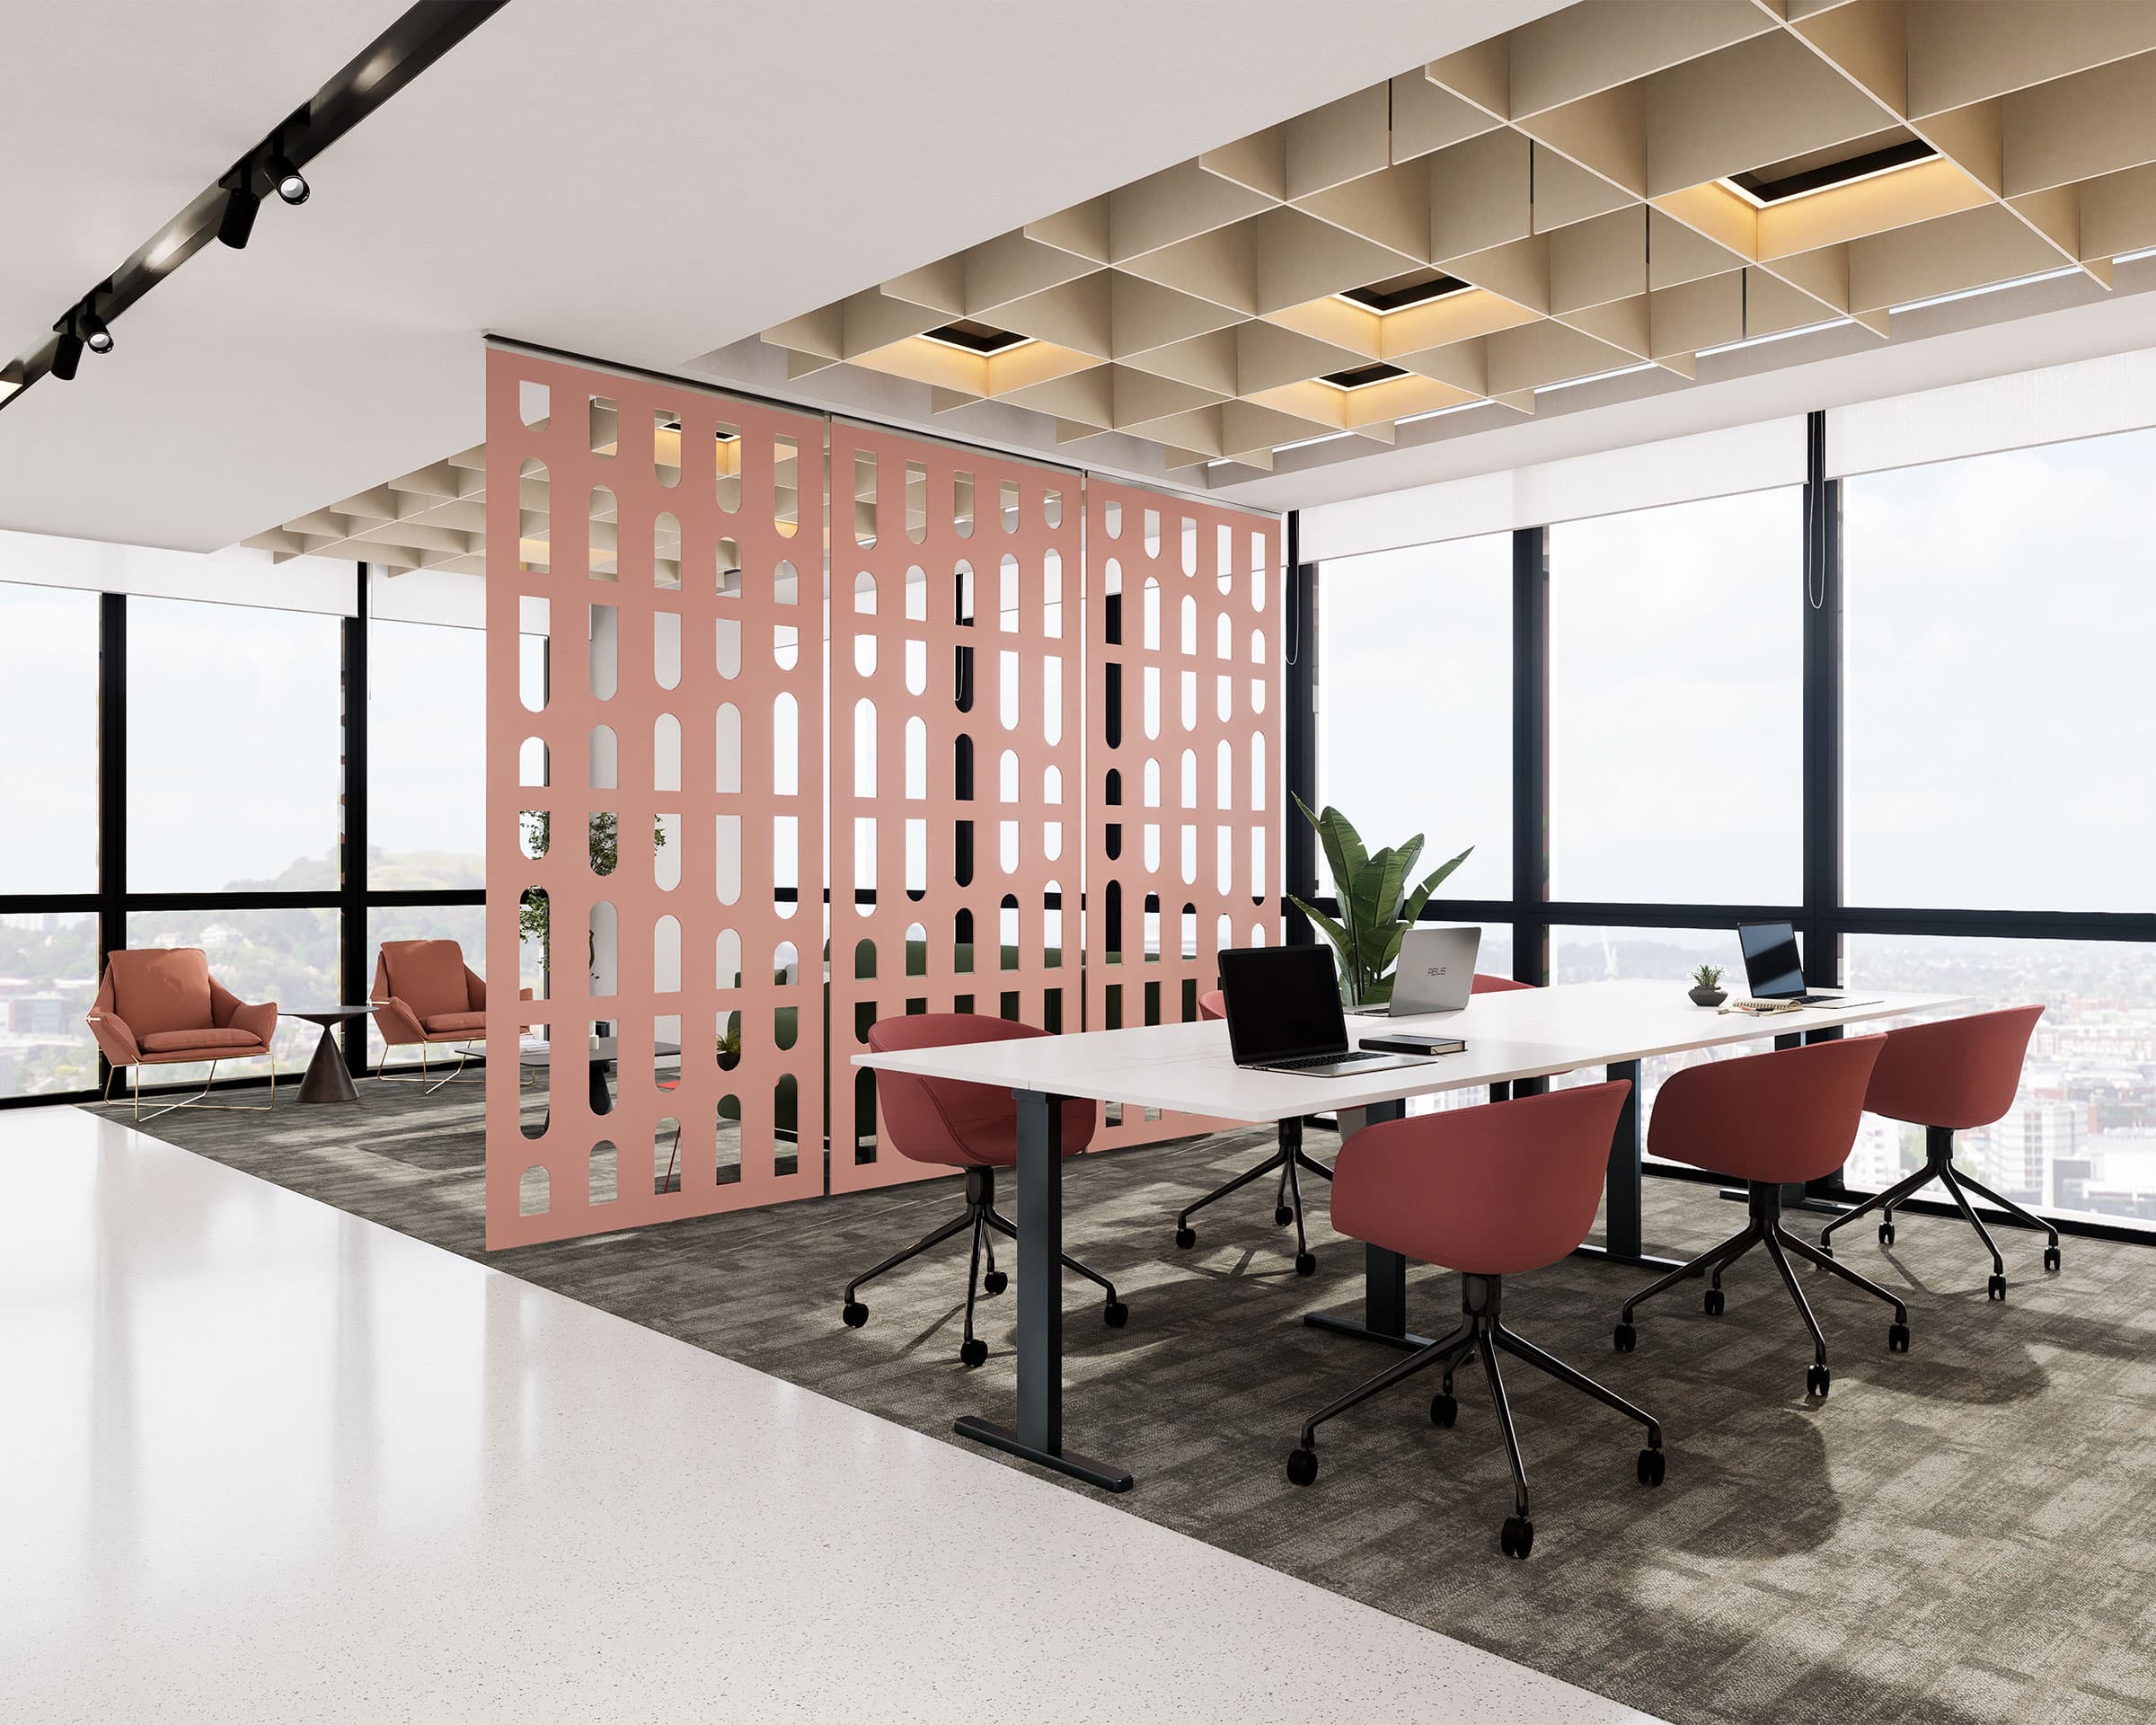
x=1489, y=1192
x=973, y=1127
x=1945, y=1077
x=1291, y=1159
x=1771, y=1120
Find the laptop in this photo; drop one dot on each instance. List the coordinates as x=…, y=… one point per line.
x=1773, y=970
x=1284, y=1014
x=1436, y=973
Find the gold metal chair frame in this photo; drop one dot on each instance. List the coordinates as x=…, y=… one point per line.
x=196, y=1100
x=428, y=1084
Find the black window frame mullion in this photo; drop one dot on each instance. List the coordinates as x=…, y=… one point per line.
x=1531, y=918
x=353, y=977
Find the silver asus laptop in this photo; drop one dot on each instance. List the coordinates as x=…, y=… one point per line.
x=1436, y=972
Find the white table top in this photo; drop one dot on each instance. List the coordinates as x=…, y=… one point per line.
x=1523, y=1033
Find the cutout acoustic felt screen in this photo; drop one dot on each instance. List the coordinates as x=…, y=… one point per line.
x=654, y=799
x=1183, y=820
x=955, y=750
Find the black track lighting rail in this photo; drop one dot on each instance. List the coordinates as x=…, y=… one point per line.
x=227, y=208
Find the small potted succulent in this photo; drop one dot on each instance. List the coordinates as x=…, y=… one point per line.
x=1706, y=986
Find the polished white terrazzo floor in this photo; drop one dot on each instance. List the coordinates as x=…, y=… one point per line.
x=263, y=1460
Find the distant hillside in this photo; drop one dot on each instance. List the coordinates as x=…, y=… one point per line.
x=392, y=872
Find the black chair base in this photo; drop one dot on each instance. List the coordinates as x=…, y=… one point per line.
x=985, y=1221
x=1939, y=1164
x=1766, y=1229
x=1293, y=1162
x=1482, y=1335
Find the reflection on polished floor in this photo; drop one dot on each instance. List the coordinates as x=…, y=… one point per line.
x=287, y=1465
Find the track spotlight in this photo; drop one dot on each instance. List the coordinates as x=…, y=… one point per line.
x=290, y=183
x=95, y=336
x=237, y=222
x=68, y=354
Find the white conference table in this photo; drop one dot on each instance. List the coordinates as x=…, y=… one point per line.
x=1512, y=1036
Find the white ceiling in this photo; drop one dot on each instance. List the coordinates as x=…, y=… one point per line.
x=117, y=112
x=644, y=183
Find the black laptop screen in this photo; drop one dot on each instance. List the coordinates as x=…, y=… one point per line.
x=1771, y=969
x=1283, y=1002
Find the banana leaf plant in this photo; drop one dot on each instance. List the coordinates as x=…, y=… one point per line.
x=1376, y=904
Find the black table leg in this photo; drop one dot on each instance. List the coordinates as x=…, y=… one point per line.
x=1038, y=1437
x=326, y=1080
x=1384, y=1273
x=1622, y=1201
x=602, y=1099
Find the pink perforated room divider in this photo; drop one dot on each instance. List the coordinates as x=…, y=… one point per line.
x=955, y=751
x=1183, y=688
x=659, y=779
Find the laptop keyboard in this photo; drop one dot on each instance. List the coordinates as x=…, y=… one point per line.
x=1341, y=1058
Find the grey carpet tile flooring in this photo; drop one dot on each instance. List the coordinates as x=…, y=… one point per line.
x=1963, y=1533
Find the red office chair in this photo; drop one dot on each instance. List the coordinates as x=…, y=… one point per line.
x=1290, y=1159
x=1945, y=1076
x=973, y=1127
x=1771, y=1120
x=1489, y=1192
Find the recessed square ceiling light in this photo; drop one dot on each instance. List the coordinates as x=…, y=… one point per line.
x=672, y=422
x=971, y=337
x=1393, y=294
x=1362, y=377
x=1863, y=158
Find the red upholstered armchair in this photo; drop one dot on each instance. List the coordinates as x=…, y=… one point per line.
x=429, y=995
x=160, y=1006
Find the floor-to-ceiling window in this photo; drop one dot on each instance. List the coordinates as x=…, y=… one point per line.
x=211, y=803
x=1987, y=707
x=48, y=783
x=1676, y=672
x=1999, y=613
x=1415, y=719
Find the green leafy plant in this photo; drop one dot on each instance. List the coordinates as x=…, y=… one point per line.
x=533, y=910
x=1708, y=976
x=1377, y=903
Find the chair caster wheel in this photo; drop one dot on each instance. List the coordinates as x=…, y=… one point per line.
x=1897, y=1338
x=1653, y=1465
x=1886, y=1233
x=1186, y=1238
x=1626, y=1337
x=1998, y=1287
x=1115, y=1314
x=855, y=1315
x=1306, y=1263
x=1713, y=1302
x=1444, y=1411
x=1282, y=1216
x=1517, y=1538
x=972, y=1351
x=995, y=1281
x=1815, y=1382
x=2051, y=1258
x=1302, y=1465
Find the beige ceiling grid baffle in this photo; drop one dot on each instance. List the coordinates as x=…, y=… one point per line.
x=1619, y=185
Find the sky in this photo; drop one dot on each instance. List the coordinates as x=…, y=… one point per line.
x=2001, y=613
x=252, y=695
